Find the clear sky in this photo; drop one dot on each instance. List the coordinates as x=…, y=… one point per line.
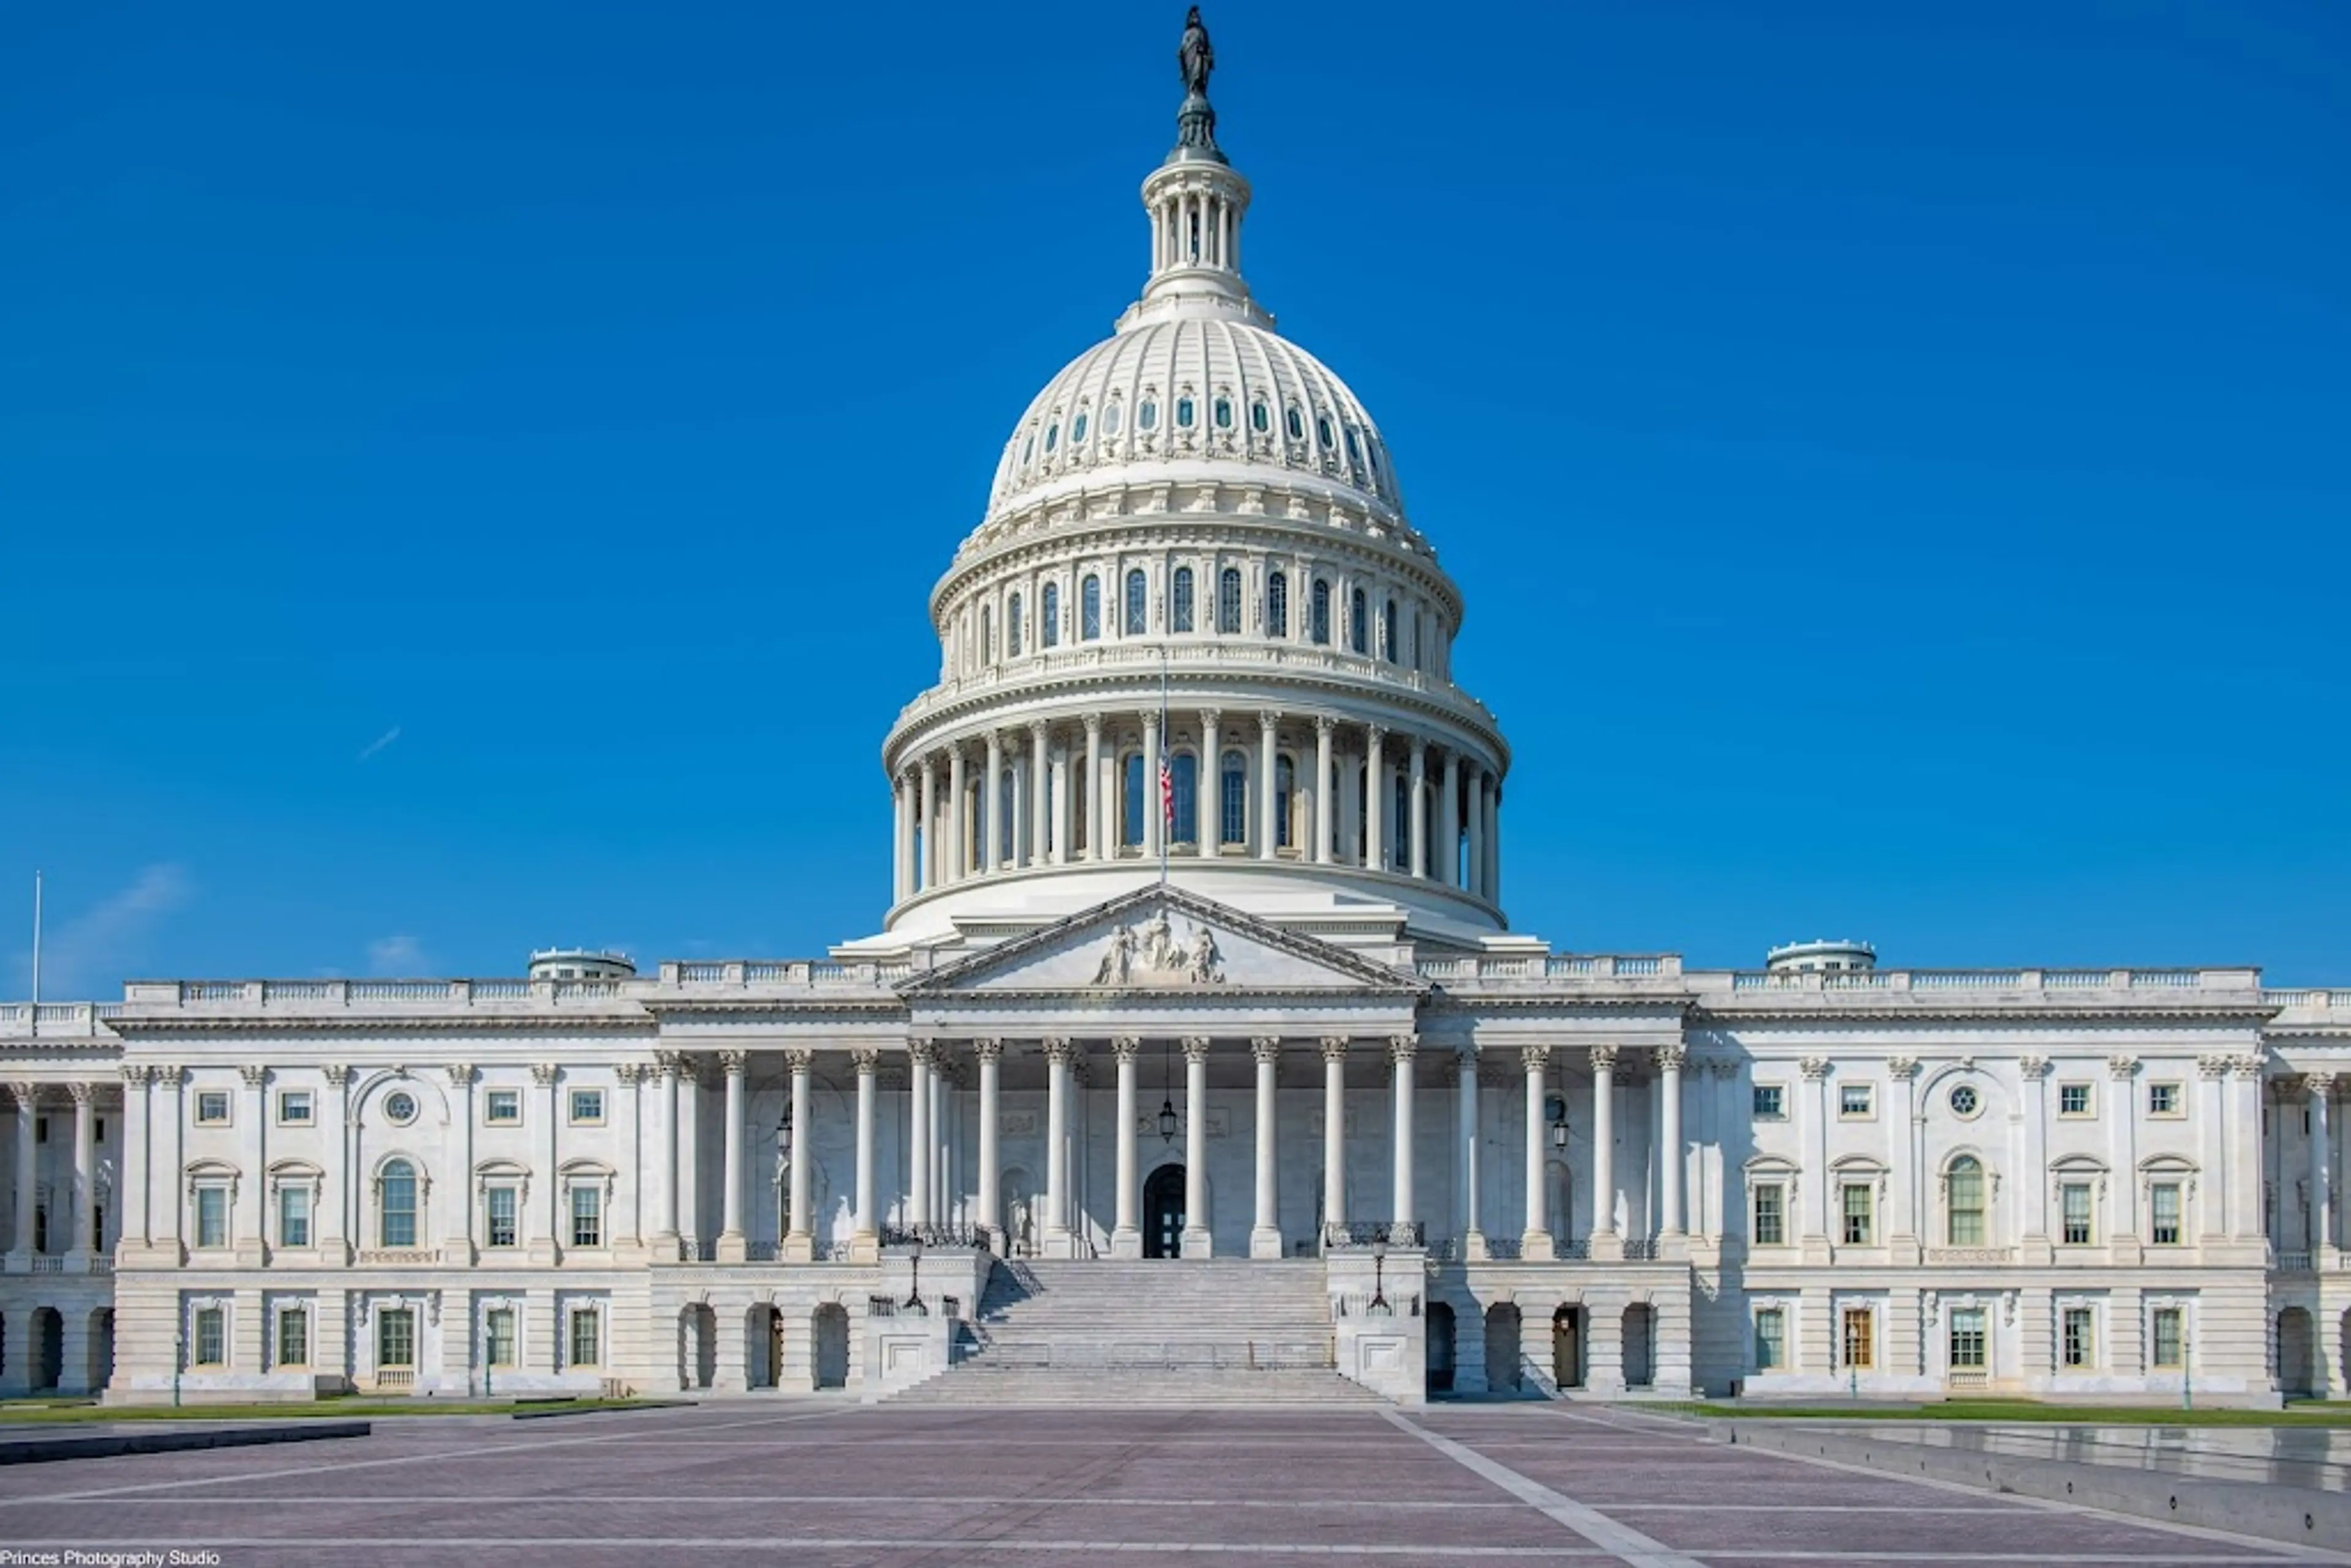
x=470, y=474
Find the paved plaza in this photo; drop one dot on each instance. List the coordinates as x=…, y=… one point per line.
x=817, y=1485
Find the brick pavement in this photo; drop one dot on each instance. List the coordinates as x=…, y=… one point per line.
x=826, y=1485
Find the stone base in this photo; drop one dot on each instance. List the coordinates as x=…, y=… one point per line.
x=1473, y=1247
x=733, y=1247
x=1197, y=1244
x=865, y=1246
x=1537, y=1247
x=1606, y=1247
x=1265, y=1242
x=800, y=1248
x=1126, y=1243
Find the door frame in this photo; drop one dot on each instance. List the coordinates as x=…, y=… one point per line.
x=1162, y=1194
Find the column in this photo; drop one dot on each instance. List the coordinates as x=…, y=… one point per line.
x=459, y=1249
x=1264, y=1236
x=1334, y=1130
x=1900, y=1219
x=1323, y=818
x=1093, y=788
x=631, y=1227
x=1056, y=1229
x=868, y=1062
x=131, y=1225
x=28, y=1176
x=732, y=1245
x=919, y=1053
x=247, y=1233
x=1402, y=1048
x=897, y=840
x=945, y=1145
x=1494, y=838
x=333, y=1221
x=990, y=1055
x=959, y=856
x=1535, y=1244
x=991, y=805
x=2245, y=1149
x=1208, y=787
x=2321, y=1089
x=928, y=873
x=80, y=1241
x=1605, y=1243
x=1268, y=770
x=1474, y=879
x=1152, y=824
x=1670, y=1140
x=1040, y=796
x=799, y=1240
x=1447, y=867
x=1126, y=1236
x=1376, y=798
x=1197, y=1241
x=667, y=1064
x=2212, y=1196
x=1416, y=853
x=1473, y=1240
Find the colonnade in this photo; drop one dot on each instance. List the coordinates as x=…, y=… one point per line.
x=74, y=1209
x=1260, y=785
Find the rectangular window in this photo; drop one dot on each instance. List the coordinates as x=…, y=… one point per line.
x=1857, y=1228
x=1771, y=1339
x=293, y=1337
x=210, y=1347
x=1860, y=1338
x=2168, y=1342
x=2074, y=1198
x=502, y=1107
x=587, y=1216
x=40, y=1129
x=212, y=1216
x=1770, y=1102
x=1967, y=1339
x=498, y=1327
x=395, y=1338
x=586, y=1350
x=2080, y=1338
x=2073, y=1099
x=2163, y=1099
x=1856, y=1102
x=1770, y=1215
x=501, y=1229
x=586, y=1107
x=2163, y=1201
x=212, y=1108
x=293, y=1107
x=293, y=1216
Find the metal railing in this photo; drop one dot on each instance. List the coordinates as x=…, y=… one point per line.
x=949, y=1236
x=1640, y=1251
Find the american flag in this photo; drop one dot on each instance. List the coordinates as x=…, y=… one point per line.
x=1167, y=791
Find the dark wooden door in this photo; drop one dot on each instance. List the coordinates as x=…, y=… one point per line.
x=1162, y=1212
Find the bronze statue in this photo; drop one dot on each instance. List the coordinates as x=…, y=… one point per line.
x=1195, y=57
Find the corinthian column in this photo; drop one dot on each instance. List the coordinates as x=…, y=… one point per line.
x=1196, y=1239
x=1606, y=1245
x=1153, y=827
x=1417, y=827
x=800, y=1242
x=1334, y=1129
x=732, y=1248
x=1323, y=818
x=1268, y=768
x=990, y=1054
x=1377, y=797
x=1536, y=1243
x=1265, y=1239
x=919, y=1053
x=868, y=1062
x=958, y=807
x=1126, y=1238
x=991, y=806
x=1669, y=1112
x=1093, y=788
x=1056, y=1237
x=1208, y=788
x=1402, y=1048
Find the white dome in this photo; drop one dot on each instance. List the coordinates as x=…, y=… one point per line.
x=1250, y=395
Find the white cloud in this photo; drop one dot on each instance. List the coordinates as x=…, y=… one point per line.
x=380, y=742
x=91, y=954
x=398, y=957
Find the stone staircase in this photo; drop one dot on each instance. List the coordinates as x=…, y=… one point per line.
x=1147, y=1333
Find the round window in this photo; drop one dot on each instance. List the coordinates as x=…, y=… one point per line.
x=400, y=1107
x=1964, y=1102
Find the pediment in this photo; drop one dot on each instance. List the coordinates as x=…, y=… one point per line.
x=1161, y=939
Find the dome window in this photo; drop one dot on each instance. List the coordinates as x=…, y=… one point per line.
x=1320, y=626
x=1260, y=417
x=1110, y=418
x=1181, y=599
x=1146, y=417
x=1224, y=414
x=1053, y=437
x=1090, y=611
x=1358, y=633
x=1276, y=605
x=1138, y=601
x=1388, y=632
x=1078, y=428
x=1028, y=449
x=1322, y=429
x=1183, y=413
x=1049, y=617
x=1228, y=600
x=1295, y=422
x=1012, y=628
x=1354, y=453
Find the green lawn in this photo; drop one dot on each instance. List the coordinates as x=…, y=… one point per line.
x=321, y=1409
x=2302, y=1413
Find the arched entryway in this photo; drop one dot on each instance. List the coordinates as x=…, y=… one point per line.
x=1503, y=1355
x=1440, y=1348
x=831, y=1333
x=698, y=1336
x=1162, y=1212
x=48, y=1348
x=1640, y=1345
x=2294, y=1361
x=101, y=1349
x=763, y=1347
x=1567, y=1338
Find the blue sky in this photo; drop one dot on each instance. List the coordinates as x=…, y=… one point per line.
x=470, y=476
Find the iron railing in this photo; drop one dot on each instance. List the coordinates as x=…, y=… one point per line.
x=950, y=1236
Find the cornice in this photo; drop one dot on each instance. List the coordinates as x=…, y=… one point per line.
x=1941, y=1010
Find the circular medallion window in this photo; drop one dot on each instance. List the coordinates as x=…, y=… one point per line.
x=1965, y=1100
x=400, y=1107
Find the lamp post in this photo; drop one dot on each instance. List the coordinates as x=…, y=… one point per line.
x=1379, y=1302
x=179, y=1360
x=915, y=1293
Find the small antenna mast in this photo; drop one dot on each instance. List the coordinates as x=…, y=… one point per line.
x=37, y=952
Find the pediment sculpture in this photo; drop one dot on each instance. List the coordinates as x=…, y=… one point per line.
x=1149, y=953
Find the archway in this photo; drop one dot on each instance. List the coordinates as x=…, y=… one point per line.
x=1503, y=1369
x=101, y=1349
x=48, y=1349
x=763, y=1347
x=2295, y=1360
x=1640, y=1345
x=1162, y=1212
x=831, y=1324
x=698, y=1334
x=1440, y=1348
x=1567, y=1347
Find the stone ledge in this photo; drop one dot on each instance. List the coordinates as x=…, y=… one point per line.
x=44, y=1450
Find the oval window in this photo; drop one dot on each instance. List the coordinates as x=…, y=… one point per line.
x=1224, y=414
x=1110, y=419
x=1260, y=418
x=1322, y=429
x=1183, y=413
x=1078, y=429
x=1297, y=423
x=1053, y=437
x=1147, y=417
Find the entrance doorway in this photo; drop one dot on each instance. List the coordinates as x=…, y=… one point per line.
x=1567, y=1347
x=1440, y=1348
x=1162, y=1212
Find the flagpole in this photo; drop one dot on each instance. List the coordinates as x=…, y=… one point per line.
x=37, y=953
x=1166, y=772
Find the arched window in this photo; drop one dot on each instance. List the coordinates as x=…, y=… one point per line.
x=986, y=636
x=1053, y=438
x=1110, y=417
x=1387, y=634
x=1295, y=422
x=1012, y=628
x=396, y=1205
x=1357, y=632
x=1028, y=449
x=1008, y=802
x=1181, y=607
x=1260, y=417
x=1232, y=798
x=1090, y=610
x=1138, y=601
x=1183, y=771
x=1276, y=605
x=1322, y=429
x=1078, y=429
x=1285, y=785
x=1049, y=625
x=1228, y=600
x=1354, y=453
x=1131, y=807
x=1319, y=629
x=1964, y=1207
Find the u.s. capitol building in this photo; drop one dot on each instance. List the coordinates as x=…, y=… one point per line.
x=1244, y=1086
